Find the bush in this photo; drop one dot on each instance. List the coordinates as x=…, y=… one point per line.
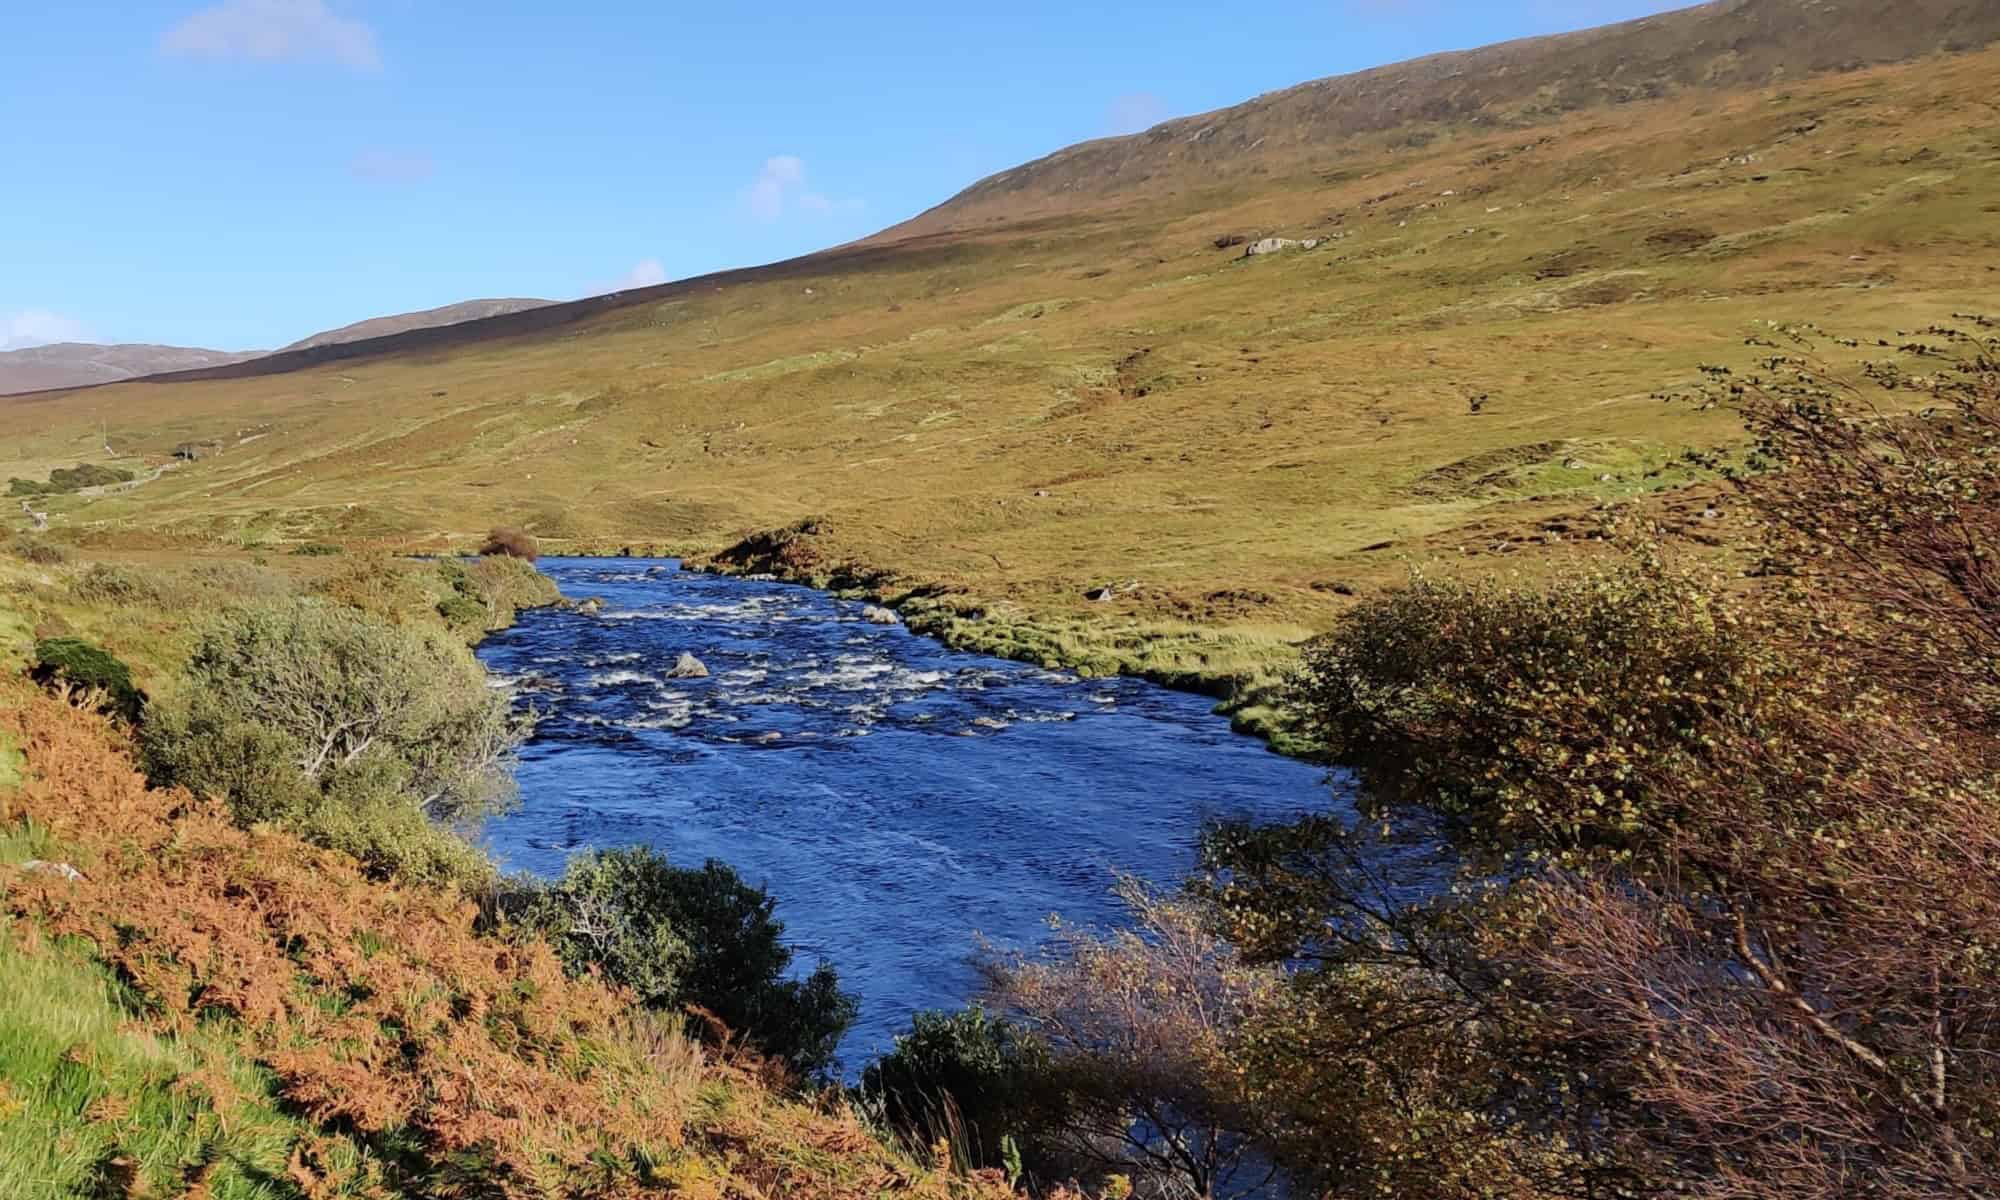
x=317, y=550
x=463, y=612
x=354, y=732
x=487, y=592
x=979, y=1084
x=693, y=937
x=514, y=543
x=378, y=585
x=70, y=479
x=108, y=583
x=73, y=662
x=1528, y=716
x=39, y=551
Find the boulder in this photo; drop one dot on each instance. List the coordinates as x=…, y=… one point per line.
x=60, y=870
x=687, y=666
x=1099, y=595
x=875, y=614
x=1269, y=245
x=591, y=607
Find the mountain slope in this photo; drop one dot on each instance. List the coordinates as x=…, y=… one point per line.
x=450, y=314
x=75, y=364
x=1726, y=44
x=1013, y=418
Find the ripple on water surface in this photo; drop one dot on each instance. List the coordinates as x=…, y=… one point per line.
x=898, y=798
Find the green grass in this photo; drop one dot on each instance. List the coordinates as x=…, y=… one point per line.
x=88, y=1101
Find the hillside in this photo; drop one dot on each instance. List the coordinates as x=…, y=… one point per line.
x=82, y=364
x=449, y=314
x=1014, y=417
x=77, y=364
x=1726, y=44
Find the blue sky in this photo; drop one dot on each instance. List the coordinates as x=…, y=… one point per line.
x=240, y=173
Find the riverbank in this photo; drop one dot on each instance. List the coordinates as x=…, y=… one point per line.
x=204, y=1003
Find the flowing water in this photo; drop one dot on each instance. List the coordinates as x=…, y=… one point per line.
x=898, y=798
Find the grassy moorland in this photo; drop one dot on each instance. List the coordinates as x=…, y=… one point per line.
x=1013, y=414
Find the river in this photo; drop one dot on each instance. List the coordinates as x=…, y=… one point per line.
x=899, y=799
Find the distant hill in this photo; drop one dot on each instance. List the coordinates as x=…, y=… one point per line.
x=81, y=364
x=77, y=364
x=450, y=314
x=1726, y=44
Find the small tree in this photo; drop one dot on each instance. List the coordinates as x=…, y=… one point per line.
x=292, y=705
x=693, y=937
x=511, y=542
x=981, y=1085
x=73, y=662
x=1140, y=1026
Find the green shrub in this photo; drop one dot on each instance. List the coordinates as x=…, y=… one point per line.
x=701, y=937
x=487, y=592
x=39, y=551
x=108, y=583
x=378, y=585
x=463, y=612
x=70, y=479
x=317, y=550
x=1528, y=717
x=83, y=475
x=74, y=662
x=982, y=1085
x=358, y=734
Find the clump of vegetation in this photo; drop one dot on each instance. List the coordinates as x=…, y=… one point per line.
x=109, y=583
x=511, y=542
x=74, y=663
x=317, y=549
x=695, y=937
x=789, y=552
x=980, y=1085
x=64, y=480
x=364, y=736
x=486, y=592
x=1728, y=861
x=39, y=550
x=245, y=1015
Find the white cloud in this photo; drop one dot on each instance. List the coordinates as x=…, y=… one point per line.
x=780, y=188
x=646, y=273
x=391, y=166
x=1134, y=112
x=37, y=327
x=272, y=31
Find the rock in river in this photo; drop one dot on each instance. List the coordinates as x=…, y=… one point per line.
x=687, y=666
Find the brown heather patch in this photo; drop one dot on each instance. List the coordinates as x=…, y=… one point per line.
x=459, y=1064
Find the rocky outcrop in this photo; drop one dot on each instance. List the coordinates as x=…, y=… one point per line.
x=1272, y=245
x=687, y=666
